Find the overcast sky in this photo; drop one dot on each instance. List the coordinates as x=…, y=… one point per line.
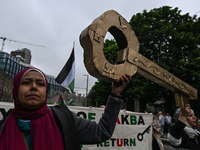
x=56, y=24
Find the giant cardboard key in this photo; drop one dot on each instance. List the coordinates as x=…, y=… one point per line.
x=128, y=60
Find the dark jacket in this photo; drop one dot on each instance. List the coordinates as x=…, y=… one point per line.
x=179, y=139
x=65, y=122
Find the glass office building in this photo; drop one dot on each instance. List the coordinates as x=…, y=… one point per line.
x=11, y=66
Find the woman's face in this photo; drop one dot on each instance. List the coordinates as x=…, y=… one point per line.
x=192, y=120
x=32, y=90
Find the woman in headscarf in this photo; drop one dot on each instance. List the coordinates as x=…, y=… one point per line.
x=183, y=135
x=35, y=126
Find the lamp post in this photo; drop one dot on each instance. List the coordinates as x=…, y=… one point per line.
x=86, y=89
x=76, y=97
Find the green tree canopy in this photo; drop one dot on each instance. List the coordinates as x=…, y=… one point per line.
x=167, y=38
x=172, y=41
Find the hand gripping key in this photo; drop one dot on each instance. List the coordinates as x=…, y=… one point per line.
x=140, y=135
x=128, y=60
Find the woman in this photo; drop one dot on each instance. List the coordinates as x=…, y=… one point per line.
x=162, y=123
x=157, y=142
x=33, y=125
x=183, y=134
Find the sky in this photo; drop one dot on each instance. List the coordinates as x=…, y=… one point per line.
x=57, y=24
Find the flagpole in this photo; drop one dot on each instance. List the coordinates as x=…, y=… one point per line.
x=66, y=77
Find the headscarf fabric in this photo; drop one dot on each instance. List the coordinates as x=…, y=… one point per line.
x=45, y=134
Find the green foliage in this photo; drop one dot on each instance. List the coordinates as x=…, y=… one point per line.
x=102, y=90
x=172, y=41
x=167, y=38
x=111, y=51
x=148, y=108
x=89, y=102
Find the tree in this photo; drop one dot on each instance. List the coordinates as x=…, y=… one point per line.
x=170, y=40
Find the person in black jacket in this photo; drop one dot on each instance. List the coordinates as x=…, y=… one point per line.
x=33, y=125
x=183, y=134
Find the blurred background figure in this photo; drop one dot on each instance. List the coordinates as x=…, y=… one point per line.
x=168, y=122
x=162, y=123
x=102, y=106
x=156, y=140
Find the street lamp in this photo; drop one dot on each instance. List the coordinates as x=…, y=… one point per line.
x=86, y=89
x=76, y=97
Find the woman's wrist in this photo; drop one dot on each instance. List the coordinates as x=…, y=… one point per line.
x=116, y=96
x=182, y=118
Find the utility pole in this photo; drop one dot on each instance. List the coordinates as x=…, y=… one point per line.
x=86, y=89
x=76, y=97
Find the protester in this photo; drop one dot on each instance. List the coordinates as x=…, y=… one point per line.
x=102, y=106
x=33, y=125
x=162, y=123
x=157, y=142
x=164, y=115
x=168, y=119
x=183, y=134
x=165, y=126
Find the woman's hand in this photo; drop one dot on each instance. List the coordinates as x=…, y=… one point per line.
x=185, y=113
x=118, y=87
x=155, y=129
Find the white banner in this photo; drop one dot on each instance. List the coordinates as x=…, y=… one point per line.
x=133, y=130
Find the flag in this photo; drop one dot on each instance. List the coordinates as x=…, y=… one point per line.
x=70, y=101
x=67, y=75
x=60, y=100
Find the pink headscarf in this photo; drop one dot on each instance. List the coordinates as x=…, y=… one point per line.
x=45, y=134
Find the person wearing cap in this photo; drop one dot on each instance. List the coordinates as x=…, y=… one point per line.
x=183, y=134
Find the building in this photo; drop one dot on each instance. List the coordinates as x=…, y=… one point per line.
x=5, y=87
x=24, y=55
x=11, y=65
